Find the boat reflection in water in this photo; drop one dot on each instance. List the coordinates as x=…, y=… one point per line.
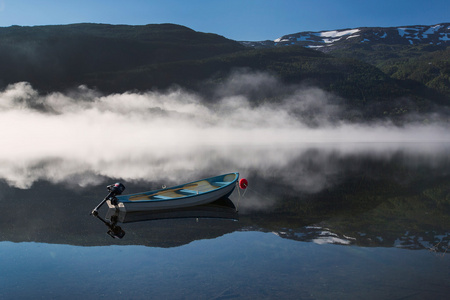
x=220, y=209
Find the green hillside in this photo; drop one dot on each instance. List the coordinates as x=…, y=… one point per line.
x=420, y=67
x=430, y=68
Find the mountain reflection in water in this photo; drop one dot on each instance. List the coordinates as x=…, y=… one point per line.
x=348, y=195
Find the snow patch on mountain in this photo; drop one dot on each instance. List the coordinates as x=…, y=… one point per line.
x=326, y=37
x=337, y=33
x=433, y=29
x=429, y=34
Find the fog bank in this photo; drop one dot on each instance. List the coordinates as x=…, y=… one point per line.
x=83, y=136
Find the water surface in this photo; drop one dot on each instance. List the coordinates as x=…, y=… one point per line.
x=319, y=221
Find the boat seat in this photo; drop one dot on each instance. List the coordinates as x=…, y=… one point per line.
x=159, y=197
x=221, y=183
x=170, y=194
x=189, y=192
x=201, y=186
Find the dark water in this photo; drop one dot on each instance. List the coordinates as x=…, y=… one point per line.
x=317, y=222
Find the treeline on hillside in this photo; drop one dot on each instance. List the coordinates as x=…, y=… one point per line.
x=418, y=66
x=432, y=69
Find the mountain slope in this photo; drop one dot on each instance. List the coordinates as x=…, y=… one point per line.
x=55, y=57
x=432, y=68
x=417, y=55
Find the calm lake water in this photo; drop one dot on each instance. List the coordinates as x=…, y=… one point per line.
x=318, y=221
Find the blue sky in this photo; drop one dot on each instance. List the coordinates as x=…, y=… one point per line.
x=250, y=20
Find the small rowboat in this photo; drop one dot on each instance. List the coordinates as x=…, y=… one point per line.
x=190, y=194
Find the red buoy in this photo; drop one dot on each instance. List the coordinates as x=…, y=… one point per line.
x=243, y=183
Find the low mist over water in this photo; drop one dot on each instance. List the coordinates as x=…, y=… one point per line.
x=82, y=136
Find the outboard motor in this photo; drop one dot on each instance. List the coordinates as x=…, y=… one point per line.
x=114, y=190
